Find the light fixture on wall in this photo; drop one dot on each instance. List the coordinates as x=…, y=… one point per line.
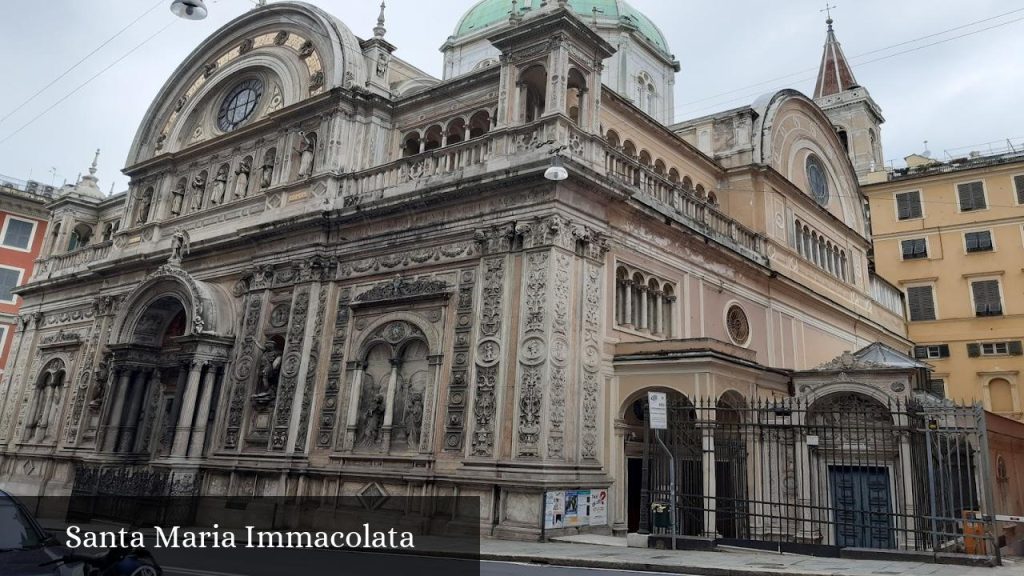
x=189, y=9
x=556, y=172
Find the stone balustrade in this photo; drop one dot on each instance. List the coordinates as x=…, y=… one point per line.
x=66, y=263
x=887, y=295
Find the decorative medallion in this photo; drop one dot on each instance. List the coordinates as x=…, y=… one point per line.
x=737, y=325
x=279, y=316
x=488, y=352
x=533, y=351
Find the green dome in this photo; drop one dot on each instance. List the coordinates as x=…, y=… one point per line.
x=490, y=12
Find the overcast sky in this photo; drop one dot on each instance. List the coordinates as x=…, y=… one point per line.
x=956, y=94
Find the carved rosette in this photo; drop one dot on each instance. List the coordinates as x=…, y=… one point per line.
x=291, y=359
x=243, y=371
x=329, y=408
x=311, y=370
x=458, y=387
x=488, y=358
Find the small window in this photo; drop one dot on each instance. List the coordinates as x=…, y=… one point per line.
x=9, y=278
x=914, y=249
x=972, y=196
x=931, y=352
x=995, y=349
x=937, y=387
x=978, y=241
x=18, y=233
x=987, y=301
x=908, y=205
x=921, y=303
x=1018, y=184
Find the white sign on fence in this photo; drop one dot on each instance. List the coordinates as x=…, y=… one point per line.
x=657, y=403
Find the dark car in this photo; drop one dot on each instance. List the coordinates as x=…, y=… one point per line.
x=28, y=550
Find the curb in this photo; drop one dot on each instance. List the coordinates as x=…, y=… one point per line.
x=643, y=566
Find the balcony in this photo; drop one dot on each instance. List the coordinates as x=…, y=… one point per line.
x=887, y=296
x=65, y=263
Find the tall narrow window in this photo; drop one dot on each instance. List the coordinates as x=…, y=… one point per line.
x=921, y=303
x=987, y=301
x=972, y=196
x=908, y=205
x=1018, y=184
x=9, y=278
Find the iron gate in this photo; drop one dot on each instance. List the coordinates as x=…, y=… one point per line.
x=140, y=496
x=846, y=471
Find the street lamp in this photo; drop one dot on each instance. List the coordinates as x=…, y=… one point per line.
x=189, y=9
x=556, y=172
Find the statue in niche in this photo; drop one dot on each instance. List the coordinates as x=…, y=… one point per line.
x=242, y=177
x=268, y=169
x=220, y=183
x=306, y=149
x=373, y=421
x=270, y=372
x=178, y=198
x=100, y=375
x=413, y=418
x=198, y=189
x=145, y=202
x=179, y=247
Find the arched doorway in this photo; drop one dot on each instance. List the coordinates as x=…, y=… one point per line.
x=731, y=454
x=649, y=471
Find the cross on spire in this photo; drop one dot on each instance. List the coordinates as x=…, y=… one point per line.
x=828, y=13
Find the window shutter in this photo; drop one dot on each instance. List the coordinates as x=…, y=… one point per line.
x=1015, y=348
x=1018, y=183
x=972, y=196
x=944, y=350
x=921, y=303
x=986, y=298
x=908, y=205
x=920, y=352
x=974, y=350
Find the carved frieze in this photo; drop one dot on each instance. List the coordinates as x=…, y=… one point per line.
x=245, y=361
x=311, y=370
x=408, y=259
x=329, y=408
x=401, y=288
x=590, y=362
x=290, y=368
x=458, y=386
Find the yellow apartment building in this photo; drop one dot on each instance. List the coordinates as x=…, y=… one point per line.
x=950, y=235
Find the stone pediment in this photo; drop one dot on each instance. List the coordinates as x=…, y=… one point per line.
x=403, y=289
x=876, y=356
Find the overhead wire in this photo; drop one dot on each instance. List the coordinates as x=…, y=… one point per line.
x=77, y=64
x=84, y=84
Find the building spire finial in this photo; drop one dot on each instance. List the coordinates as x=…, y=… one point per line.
x=379, y=30
x=92, y=169
x=828, y=14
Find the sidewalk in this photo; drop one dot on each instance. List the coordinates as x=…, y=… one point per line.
x=607, y=552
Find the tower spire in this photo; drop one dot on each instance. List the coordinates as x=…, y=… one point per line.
x=379, y=30
x=835, y=74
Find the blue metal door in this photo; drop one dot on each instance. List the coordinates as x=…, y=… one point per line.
x=862, y=507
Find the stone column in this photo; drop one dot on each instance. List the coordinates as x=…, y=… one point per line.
x=707, y=430
x=629, y=303
x=619, y=491
x=389, y=404
x=203, y=412
x=352, y=421
x=117, y=410
x=658, y=313
x=126, y=442
x=644, y=323
x=188, y=409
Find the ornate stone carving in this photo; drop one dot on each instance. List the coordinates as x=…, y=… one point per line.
x=590, y=388
x=458, y=385
x=289, y=379
x=530, y=398
x=737, y=324
x=311, y=371
x=243, y=370
x=408, y=259
x=329, y=408
x=400, y=288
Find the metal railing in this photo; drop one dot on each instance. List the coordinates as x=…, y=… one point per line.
x=845, y=471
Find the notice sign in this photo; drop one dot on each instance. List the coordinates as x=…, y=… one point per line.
x=657, y=403
x=575, y=508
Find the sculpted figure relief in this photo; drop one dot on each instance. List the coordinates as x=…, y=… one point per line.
x=178, y=198
x=270, y=373
x=306, y=149
x=145, y=203
x=220, y=183
x=242, y=178
x=198, y=190
x=266, y=178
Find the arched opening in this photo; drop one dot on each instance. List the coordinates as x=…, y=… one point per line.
x=683, y=440
x=48, y=399
x=639, y=305
x=621, y=295
x=574, y=98
x=479, y=124
x=433, y=138
x=1000, y=394
x=700, y=193
x=712, y=198
x=80, y=237
x=687, y=185
x=669, y=298
x=629, y=148
x=456, y=132
x=645, y=158
x=411, y=144
x=731, y=456
x=844, y=138
x=654, y=306
x=673, y=176
x=533, y=83
x=613, y=139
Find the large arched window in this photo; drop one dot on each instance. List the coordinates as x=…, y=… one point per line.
x=576, y=88
x=533, y=83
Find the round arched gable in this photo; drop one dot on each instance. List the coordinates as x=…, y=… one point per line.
x=790, y=127
x=208, y=309
x=308, y=51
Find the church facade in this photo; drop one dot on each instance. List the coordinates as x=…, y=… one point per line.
x=336, y=275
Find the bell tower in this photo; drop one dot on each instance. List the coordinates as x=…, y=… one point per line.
x=857, y=118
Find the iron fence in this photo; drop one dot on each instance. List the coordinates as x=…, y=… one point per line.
x=846, y=471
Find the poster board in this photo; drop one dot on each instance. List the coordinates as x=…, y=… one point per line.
x=575, y=508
